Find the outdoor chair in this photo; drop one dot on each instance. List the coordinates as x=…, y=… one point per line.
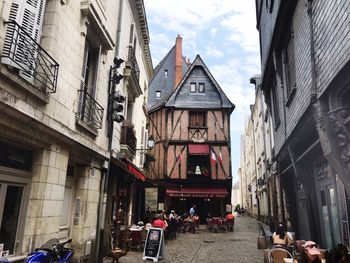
x=276, y=255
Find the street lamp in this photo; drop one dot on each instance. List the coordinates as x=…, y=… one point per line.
x=150, y=144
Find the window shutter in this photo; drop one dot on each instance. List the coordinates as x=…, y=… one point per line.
x=83, y=85
x=29, y=15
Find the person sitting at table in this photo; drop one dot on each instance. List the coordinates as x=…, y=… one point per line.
x=163, y=214
x=310, y=254
x=280, y=237
x=159, y=222
x=172, y=215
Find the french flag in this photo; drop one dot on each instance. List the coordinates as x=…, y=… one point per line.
x=213, y=158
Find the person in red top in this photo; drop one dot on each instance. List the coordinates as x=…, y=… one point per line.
x=158, y=222
x=230, y=216
x=230, y=221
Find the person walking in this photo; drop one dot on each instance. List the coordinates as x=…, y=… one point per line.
x=193, y=210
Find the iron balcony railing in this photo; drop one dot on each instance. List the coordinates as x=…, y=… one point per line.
x=89, y=111
x=128, y=137
x=35, y=64
x=133, y=61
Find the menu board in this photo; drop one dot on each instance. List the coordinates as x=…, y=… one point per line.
x=154, y=245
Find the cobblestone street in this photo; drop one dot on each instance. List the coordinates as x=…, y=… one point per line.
x=239, y=246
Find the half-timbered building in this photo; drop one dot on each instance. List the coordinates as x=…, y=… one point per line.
x=189, y=119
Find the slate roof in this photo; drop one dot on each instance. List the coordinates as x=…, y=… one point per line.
x=162, y=83
x=212, y=98
x=181, y=97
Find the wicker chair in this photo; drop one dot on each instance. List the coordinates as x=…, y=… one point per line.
x=276, y=255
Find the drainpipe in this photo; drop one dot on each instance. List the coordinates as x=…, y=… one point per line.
x=101, y=209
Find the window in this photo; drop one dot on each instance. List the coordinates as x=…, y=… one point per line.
x=289, y=67
x=131, y=37
x=166, y=72
x=193, y=87
x=29, y=16
x=201, y=88
x=197, y=119
x=90, y=69
x=10, y=206
x=89, y=111
x=276, y=116
x=158, y=94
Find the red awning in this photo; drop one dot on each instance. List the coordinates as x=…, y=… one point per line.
x=197, y=192
x=134, y=170
x=198, y=149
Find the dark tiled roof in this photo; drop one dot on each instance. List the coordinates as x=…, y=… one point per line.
x=212, y=98
x=162, y=83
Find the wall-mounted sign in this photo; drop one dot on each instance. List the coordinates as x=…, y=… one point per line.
x=228, y=208
x=151, y=198
x=154, y=245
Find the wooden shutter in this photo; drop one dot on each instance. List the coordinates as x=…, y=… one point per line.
x=29, y=15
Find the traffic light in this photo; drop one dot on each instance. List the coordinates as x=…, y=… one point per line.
x=115, y=78
x=117, y=107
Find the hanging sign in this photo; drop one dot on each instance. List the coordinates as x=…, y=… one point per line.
x=154, y=245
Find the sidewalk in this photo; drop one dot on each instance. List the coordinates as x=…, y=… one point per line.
x=239, y=246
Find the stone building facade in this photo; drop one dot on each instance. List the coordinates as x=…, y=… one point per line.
x=54, y=86
x=305, y=61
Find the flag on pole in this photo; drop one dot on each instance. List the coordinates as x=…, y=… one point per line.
x=220, y=157
x=213, y=158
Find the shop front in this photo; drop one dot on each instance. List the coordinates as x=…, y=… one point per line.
x=209, y=201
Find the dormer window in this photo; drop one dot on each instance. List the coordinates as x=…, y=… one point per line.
x=193, y=87
x=201, y=88
x=158, y=94
x=166, y=72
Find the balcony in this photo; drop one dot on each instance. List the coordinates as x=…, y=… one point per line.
x=128, y=140
x=89, y=113
x=35, y=65
x=132, y=75
x=198, y=134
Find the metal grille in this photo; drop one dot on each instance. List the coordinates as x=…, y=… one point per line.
x=89, y=111
x=33, y=61
x=133, y=61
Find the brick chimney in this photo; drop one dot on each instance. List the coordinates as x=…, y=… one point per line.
x=178, y=60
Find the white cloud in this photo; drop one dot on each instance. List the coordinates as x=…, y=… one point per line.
x=224, y=33
x=213, y=52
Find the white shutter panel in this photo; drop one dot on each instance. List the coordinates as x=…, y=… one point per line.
x=32, y=20
x=29, y=15
x=9, y=51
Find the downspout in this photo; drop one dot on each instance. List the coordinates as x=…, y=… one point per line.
x=101, y=209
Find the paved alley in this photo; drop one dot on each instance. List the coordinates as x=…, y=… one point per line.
x=239, y=246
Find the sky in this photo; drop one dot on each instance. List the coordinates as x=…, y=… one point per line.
x=224, y=34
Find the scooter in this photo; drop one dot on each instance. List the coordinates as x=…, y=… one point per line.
x=51, y=252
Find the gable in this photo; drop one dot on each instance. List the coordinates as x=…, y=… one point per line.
x=212, y=98
x=209, y=98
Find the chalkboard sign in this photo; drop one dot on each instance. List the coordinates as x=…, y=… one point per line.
x=154, y=245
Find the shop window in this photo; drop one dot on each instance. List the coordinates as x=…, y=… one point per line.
x=15, y=157
x=10, y=206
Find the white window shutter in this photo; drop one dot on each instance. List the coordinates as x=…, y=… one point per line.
x=84, y=67
x=29, y=15
x=9, y=51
